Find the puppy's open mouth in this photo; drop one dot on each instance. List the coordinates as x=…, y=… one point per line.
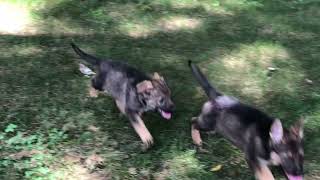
x=292, y=177
x=165, y=114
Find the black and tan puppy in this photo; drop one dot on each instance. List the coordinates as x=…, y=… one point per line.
x=133, y=91
x=261, y=137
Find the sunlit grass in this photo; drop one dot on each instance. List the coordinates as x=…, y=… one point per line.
x=177, y=23
x=181, y=166
x=256, y=55
x=248, y=67
x=168, y=24
x=136, y=30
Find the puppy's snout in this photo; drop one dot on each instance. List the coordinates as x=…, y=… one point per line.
x=295, y=169
x=171, y=106
x=299, y=170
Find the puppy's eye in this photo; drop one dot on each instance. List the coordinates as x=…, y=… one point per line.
x=161, y=101
x=147, y=93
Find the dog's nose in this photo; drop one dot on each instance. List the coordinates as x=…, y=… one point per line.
x=299, y=171
x=172, y=107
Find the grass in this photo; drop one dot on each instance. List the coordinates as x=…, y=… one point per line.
x=233, y=41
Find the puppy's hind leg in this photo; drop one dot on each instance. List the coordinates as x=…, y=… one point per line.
x=202, y=123
x=93, y=92
x=195, y=132
x=96, y=85
x=120, y=106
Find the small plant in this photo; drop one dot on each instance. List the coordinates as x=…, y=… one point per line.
x=29, y=155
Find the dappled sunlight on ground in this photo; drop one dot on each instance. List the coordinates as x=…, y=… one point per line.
x=226, y=7
x=211, y=7
x=245, y=84
x=248, y=66
x=78, y=172
x=136, y=30
x=59, y=27
x=76, y=167
x=176, y=23
x=184, y=3
x=14, y=19
x=241, y=5
x=168, y=24
x=258, y=54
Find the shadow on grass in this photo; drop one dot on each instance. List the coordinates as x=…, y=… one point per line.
x=43, y=88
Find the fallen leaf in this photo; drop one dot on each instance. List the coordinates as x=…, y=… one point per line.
x=132, y=171
x=272, y=68
x=145, y=173
x=309, y=81
x=216, y=168
x=93, y=160
x=69, y=126
x=93, y=128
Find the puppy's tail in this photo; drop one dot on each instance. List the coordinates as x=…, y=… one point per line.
x=87, y=57
x=211, y=92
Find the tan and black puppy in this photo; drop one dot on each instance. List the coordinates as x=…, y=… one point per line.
x=261, y=137
x=133, y=91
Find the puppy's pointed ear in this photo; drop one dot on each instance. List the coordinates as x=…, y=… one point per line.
x=144, y=86
x=297, y=128
x=276, y=131
x=156, y=76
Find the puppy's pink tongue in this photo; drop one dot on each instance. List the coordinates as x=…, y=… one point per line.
x=166, y=115
x=294, y=177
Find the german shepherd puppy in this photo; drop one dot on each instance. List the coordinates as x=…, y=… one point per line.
x=133, y=91
x=261, y=137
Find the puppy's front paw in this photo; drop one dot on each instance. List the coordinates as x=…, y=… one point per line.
x=147, y=140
